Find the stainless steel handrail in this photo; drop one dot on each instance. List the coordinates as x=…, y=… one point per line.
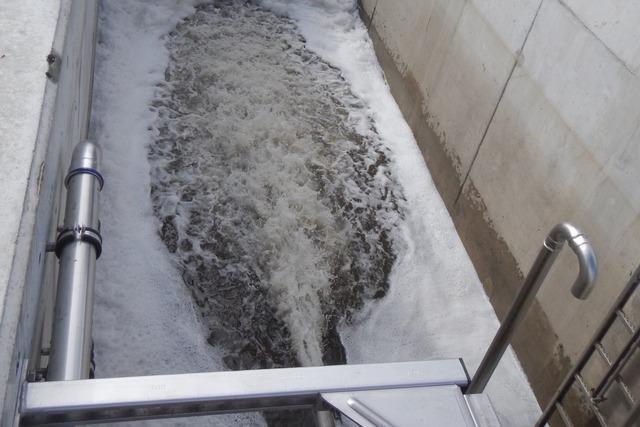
x=78, y=246
x=625, y=296
x=581, y=288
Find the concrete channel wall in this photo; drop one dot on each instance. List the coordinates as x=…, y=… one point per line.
x=44, y=119
x=528, y=114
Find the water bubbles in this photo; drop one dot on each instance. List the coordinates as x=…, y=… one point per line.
x=279, y=212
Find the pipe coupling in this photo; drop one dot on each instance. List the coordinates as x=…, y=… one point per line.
x=79, y=233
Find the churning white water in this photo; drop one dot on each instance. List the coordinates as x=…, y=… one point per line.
x=272, y=186
x=266, y=204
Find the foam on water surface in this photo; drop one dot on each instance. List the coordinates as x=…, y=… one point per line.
x=287, y=193
x=277, y=204
x=144, y=320
x=436, y=306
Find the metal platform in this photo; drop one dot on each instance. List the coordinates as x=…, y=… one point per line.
x=421, y=406
x=389, y=394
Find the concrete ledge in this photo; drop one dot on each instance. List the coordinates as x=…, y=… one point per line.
x=62, y=122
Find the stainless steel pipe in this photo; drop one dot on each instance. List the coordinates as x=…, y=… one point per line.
x=581, y=288
x=78, y=246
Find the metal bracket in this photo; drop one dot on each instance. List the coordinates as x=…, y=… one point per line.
x=37, y=375
x=76, y=233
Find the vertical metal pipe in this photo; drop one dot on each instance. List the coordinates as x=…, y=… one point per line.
x=78, y=245
x=541, y=266
x=518, y=308
x=324, y=419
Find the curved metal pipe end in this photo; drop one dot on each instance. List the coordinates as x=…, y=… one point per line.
x=85, y=160
x=563, y=232
x=581, y=246
x=86, y=155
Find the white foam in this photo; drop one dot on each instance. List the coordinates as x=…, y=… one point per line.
x=436, y=306
x=144, y=321
x=270, y=165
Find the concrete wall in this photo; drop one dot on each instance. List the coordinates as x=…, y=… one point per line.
x=45, y=119
x=528, y=114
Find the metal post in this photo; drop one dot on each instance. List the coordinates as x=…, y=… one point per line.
x=547, y=255
x=618, y=365
x=78, y=246
x=324, y=419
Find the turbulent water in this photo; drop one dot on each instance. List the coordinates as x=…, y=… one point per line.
x=271, y=185
x=270, y=176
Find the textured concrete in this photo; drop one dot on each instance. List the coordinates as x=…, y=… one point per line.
x=27, y=30
x=46, y=118
x=26, y=36
x=527, y=114
x=615, y=23
x=566, y=136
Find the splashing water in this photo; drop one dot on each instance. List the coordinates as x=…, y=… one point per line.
x=273, y=189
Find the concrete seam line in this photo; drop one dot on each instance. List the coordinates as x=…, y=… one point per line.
x=606, y=46
x=373, y=13
x=495, y=109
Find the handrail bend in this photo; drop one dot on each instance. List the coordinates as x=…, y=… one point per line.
x=582, y=287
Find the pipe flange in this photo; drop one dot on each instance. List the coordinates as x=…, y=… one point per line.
x=90, y=171
x=77, y=233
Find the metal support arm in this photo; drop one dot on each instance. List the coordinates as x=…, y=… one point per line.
x=581, y=288
x=163, y=396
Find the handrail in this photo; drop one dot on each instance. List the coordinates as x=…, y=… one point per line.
x=581, y=288
x=78, y=245
x=563, y=389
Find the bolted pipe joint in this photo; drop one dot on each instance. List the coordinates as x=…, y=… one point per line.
x=83, y=182
x=78, y=245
